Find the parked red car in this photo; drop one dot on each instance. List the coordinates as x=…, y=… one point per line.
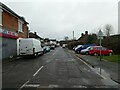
x=95, y=50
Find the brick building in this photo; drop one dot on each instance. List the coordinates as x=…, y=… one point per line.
x=34, y=35
x=12, y=27
x=84, y=37
x=119, y=17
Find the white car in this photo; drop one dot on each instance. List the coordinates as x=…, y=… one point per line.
x=74, y=48
x=78, y=46
x=86, y=51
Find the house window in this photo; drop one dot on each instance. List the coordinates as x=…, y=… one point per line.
x=20, y=26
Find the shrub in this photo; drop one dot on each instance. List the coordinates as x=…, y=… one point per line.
x=73, y=44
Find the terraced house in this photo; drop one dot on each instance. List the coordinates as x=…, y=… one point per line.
x=12, y=27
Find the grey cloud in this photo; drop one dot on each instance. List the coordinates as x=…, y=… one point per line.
x=59, y=19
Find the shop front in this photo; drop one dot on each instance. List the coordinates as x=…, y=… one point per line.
x=8, y=45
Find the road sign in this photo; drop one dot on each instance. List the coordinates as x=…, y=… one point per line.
x=100, y=34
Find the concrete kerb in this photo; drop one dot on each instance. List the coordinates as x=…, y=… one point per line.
x=93, y=66
x=85, y=61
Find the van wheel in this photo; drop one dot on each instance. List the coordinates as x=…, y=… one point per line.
x=35, y=55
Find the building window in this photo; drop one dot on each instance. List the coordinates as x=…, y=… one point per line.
x=0, y=17
x=20, y=26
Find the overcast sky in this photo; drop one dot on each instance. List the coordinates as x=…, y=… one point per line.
x=56, y=19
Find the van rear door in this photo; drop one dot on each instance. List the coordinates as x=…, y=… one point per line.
x=26, y=47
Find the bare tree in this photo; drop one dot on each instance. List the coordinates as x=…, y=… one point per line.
x=108, y=29
x=66, y=38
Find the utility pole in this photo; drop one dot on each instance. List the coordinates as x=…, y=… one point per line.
x=73, y=35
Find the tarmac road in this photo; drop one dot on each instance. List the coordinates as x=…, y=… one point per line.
x=57, y=69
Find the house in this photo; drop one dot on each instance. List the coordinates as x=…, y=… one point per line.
x=119, y=17
x=47, y=41
x=84, y=37
x=34, y=35
x=53, y=41
x=12, y=27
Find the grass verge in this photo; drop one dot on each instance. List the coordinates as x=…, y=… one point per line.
x=113, y=58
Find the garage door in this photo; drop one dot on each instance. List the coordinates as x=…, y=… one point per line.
x=9, y=47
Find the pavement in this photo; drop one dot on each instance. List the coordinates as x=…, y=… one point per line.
x=111, y=69
x=59, y=68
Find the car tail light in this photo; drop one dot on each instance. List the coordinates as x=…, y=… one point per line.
x=111, y=50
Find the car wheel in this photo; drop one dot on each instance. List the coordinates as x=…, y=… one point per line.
x=95, y=54
x=86, y=53
x=110, y=54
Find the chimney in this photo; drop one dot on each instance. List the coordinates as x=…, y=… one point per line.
x=35, y=33
x=86, y=32
x=82, y=34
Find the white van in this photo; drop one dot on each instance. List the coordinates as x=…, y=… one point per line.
x=64, y=45
x=30, y=46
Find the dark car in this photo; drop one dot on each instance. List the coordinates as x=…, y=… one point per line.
x=46, y=49
x=52, y=47
x=95, y=50
x=78, y=50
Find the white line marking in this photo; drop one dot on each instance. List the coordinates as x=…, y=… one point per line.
x=37, y=71
x=90, y=67
x=32, y=85
x=85, y=63
x=53, y=53
x=23, y=85
x=52, y=86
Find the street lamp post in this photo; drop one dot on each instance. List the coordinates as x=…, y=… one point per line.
x=100, y=37
x=73, y=35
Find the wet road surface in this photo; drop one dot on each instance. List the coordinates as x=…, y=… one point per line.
x=57, y=69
